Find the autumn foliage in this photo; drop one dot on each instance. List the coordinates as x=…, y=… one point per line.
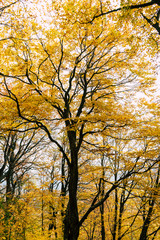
x=79, y=123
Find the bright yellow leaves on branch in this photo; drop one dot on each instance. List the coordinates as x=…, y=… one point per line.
x=48, y=61
x=69, y=72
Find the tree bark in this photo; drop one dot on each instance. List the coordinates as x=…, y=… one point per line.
x=71, y=222
x=102, y=206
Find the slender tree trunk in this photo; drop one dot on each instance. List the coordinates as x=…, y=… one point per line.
x=115, y=215
x=114, y=233
x=147, y=220
x=42, y=214
x=64, y=185
x=102, y=222
x=121, y=210
x=52, y=224
x=102, y=206
x=143, y=235
x=9, y=196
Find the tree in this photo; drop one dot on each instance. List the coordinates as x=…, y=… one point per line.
x=72, y=77
x=18, y=151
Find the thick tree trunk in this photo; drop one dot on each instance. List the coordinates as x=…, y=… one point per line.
x=71, y=222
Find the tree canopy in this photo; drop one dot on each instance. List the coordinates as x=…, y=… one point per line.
x=80, y=78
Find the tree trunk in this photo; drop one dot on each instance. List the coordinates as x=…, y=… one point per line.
x=143, y=235
x=121, y=210
x=52, y=224
x=115, y=215
x=102, y=222
x=71, y=222
x=102, y=206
